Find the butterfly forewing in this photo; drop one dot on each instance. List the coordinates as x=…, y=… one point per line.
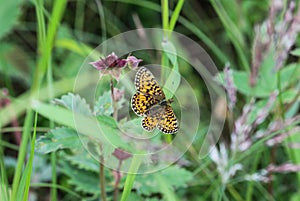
x=145, y=83
x=141, y=103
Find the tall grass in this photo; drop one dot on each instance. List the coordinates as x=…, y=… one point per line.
x=45, y=47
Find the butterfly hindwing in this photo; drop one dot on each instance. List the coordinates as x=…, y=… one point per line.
x=152, y=117
x=168, y=123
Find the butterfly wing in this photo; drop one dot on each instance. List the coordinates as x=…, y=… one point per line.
x=140, y=103
x=152, y=117
x=147, y=102
x=168, y=122
x=146, y=84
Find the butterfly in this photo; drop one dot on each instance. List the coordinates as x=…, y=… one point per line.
x=150, y=102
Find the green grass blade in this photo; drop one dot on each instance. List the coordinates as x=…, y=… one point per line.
x=30, y=161
x=22, y=154
x=233, y=32
x=165, y=15
x=4, y=190
x=175, y=14
x=134, y=166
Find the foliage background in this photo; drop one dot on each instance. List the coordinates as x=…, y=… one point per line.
x=43, y=44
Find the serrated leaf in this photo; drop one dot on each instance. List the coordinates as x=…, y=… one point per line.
x=83, y=160
x=104, y=106
x=75, y=103
x=9, y=13
x=176, y=176
x=87, y=126
x=60, y=138
x=41, y=168
x=84, y=181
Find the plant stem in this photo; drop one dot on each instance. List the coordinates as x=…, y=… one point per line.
x=22, y=153
x=117, y=182
x=30, y=161
x=114, y=103
x=133, y=169
x=234, y=193
x=102, y=176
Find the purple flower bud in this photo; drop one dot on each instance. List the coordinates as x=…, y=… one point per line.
x=111, y=64
x=105, y=63
x=118, y=94
x=133, y=62
x=120, y=63
x=230, y=87
x=121, y=154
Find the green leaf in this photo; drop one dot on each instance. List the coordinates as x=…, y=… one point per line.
x=104, y=106
x=108, y=121
x=60, y=138
x=296, y=52
x=173, y=177
x=9, y=13
x=86, y=125
x=267, y=83
x=131, y=176
x=82, y=159
x=84, y=181
x=290, y=95
x=289, y=74
x=75, y=103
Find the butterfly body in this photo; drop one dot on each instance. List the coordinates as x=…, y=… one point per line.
x=150, y=102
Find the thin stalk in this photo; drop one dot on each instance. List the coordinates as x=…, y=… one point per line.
x=45, y=47
x=114, y=103
x=8, y=145
x=54, y=177
x=133, y=169
x=30, y=161
x=79, y=19
x=117, y=182
x=102, y=175
x=22, y=154
x=233, y=32
x=234, y=193
x=51, y=125
x=103, y=23
x=175, y=15
x=187, y=24
x=4, y=183
x=251, y=183
x=165, y=16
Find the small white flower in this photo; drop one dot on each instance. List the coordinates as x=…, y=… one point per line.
x=220, y=158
